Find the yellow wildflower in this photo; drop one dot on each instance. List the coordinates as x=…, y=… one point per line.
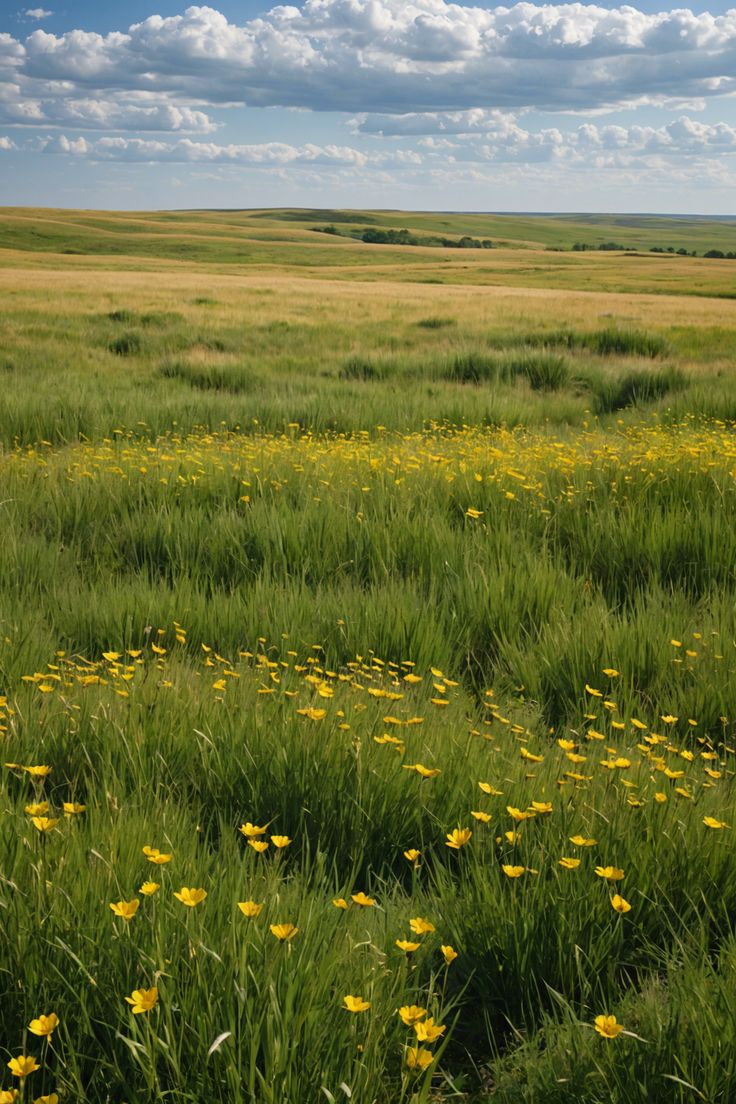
x=458, y=837
x=126, y=910
x=363, y=900
x=422, y=771
x=607, y=1026
x=44, y=1026
x=142, y=1000
x=418, y=1058
x=284, y=932
x=23, y=1065
x=249, y=908
x=519, y=814
x=610, y=873
x=513, y=871
x=427, y=1031
x=39, y=809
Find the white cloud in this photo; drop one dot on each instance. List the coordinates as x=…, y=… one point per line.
x=6, y=144
x=90, y=113
x=590, y=144
x=414, y=124
x=503, y=143
x=36, y=13
x=265, y=155
x=397, y=57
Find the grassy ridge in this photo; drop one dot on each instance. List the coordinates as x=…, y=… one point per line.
x=531, y=251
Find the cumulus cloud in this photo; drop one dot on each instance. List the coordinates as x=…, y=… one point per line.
x=590, y=144
x=266, y=154
x=6, y=144
x=398, y=57
x=36, y=13
x=90, y=113
x=415, y=124
x=504, y=143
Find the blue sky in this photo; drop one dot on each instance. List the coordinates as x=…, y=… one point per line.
x=384, y=103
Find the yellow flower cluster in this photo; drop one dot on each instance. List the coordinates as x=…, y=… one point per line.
x=23, y=1065
x=653, y=764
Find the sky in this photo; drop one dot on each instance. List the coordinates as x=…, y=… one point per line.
x=412, y=104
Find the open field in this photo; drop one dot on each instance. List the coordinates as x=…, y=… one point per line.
x=391, y=625
x=528, y=251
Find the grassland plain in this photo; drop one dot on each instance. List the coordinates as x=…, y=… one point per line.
x=368, y=662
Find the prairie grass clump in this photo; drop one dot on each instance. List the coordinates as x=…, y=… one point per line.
x=643, y=385
x=234, y=379
x=362, y=368
x=608, y=342
x=436, y=322
x=127, y=344
x=619, y=342
x=542, y=370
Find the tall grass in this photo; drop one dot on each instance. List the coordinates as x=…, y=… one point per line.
x=325, y=576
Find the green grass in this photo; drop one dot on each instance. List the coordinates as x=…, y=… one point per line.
x=530, y=250
x=267, y=543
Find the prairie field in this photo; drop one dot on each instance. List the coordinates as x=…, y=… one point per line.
x=367, y=660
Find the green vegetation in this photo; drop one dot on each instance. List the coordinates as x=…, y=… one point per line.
x=528, y=250
x=376, y=236
x=425, y=591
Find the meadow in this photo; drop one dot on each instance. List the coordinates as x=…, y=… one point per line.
x=367, y=661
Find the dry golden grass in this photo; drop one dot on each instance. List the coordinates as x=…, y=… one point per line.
x=70, y=287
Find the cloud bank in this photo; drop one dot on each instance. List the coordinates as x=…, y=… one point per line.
x=430, y=91
x=391, y=57
x=506, y=142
